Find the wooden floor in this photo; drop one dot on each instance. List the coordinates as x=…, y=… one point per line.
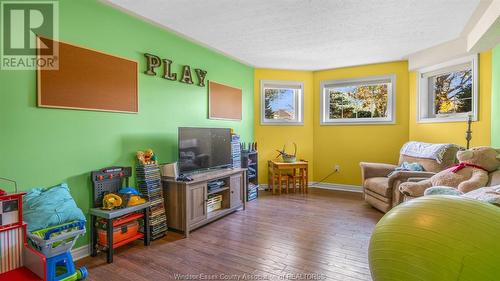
x=324, y=234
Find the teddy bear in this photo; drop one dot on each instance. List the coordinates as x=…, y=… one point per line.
x=140, y=157
x=472, y=172
x=149, y=156
x=146, y=157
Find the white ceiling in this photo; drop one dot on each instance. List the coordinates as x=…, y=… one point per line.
x=309, y=34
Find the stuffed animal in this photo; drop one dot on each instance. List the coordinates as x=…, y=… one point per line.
x=469, y=174
x=140, y=157
x=149, y=156
x=146, y=157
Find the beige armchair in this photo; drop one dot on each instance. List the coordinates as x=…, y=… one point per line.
x=382, y=192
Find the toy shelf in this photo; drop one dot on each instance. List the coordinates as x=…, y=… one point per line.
x=115, y=219
x=110, y=180
x=18, y=261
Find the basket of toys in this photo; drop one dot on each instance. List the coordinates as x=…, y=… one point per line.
x=214, y=203
x=288, y=158
x=56, y=240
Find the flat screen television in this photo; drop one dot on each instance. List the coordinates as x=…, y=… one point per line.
x=204, y=148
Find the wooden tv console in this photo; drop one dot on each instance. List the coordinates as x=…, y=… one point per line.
x=186, y=202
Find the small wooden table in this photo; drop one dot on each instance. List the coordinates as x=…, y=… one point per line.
x=278, y=168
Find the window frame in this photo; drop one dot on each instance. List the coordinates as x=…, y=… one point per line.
x=423, y=95
x=391, y=101
x=299, y=102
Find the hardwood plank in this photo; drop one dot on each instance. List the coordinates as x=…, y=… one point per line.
x=323, y=232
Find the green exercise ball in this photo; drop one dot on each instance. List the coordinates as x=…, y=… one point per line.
x=437, y=238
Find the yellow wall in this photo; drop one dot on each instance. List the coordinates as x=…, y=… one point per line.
x=269, y=138
x=347, y=145
x=454, y=132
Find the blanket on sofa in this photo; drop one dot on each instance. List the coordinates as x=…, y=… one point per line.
x=490, y=194
x=434, y=151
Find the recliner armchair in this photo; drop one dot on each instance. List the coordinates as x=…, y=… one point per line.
x=382, y=192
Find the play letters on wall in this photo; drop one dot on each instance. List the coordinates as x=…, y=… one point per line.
x=154, y=61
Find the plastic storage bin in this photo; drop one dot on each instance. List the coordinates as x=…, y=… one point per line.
x=120, y=233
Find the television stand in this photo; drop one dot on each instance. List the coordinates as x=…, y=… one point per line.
x=192, y=204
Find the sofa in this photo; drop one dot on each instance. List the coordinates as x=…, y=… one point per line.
x=382, y=191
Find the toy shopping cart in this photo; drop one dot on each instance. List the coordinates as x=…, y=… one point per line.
x=55, y=243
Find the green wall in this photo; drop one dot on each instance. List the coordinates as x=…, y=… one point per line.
x=43, y=147
x=495, y=98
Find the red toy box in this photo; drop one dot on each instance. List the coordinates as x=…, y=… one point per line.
x=125, y=229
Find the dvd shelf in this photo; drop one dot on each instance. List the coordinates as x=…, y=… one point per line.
x=149, y=184
x=250, y=161
x=236, y=151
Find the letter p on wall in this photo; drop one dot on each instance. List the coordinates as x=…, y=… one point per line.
x=152, y=63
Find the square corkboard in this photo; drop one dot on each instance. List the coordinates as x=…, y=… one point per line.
x=224, y=102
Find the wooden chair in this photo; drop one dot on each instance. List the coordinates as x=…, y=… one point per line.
x=274, y=177
x=298, y=179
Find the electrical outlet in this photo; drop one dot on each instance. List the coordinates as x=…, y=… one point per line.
x=337, y=168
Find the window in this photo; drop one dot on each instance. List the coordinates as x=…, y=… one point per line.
x=282, y=103
x=358, y=101
x=448, y=92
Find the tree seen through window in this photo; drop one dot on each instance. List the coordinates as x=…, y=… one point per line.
x=365, y=101
x=452, y=92
x=280, y=103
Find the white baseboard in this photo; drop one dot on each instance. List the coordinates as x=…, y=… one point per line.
x=81, y=252
x=337, y=186
x=330, y=186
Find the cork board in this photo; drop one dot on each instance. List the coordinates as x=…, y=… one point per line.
x=88, y=80
x=224, y=101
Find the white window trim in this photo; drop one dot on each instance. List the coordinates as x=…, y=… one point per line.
x=299, y=101
x=422, y=97
x=391, y=106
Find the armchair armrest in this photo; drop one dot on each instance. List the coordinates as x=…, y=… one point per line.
x=370, y=170
x=406, y=175
x=416, y=179
x=400, y=177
